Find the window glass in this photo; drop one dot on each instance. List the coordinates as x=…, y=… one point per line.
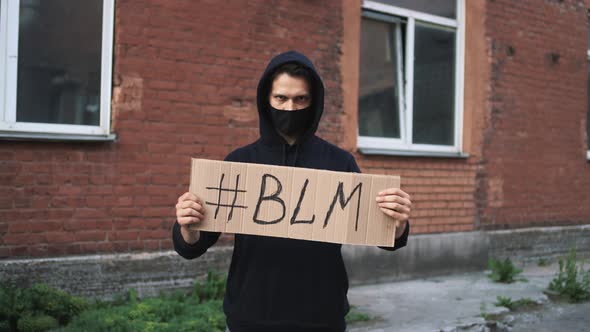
x=379, y=92
x=434, y=86
x=59, y=63
x=445, y=8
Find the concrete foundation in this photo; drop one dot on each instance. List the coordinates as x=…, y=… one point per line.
x=104, y=276
x=426, y=255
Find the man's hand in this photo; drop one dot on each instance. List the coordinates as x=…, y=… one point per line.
x=189, y=210
x=396, y=204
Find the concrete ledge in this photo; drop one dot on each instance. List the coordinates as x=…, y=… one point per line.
x=103, y=276
x=530, y=244
x=438, y=254
x=424, y=256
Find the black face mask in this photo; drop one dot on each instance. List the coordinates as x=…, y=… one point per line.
x=291, y=123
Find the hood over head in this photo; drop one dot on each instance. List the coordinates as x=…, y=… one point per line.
x=268, y=133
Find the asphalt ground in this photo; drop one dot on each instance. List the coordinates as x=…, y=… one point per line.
x=467, y=303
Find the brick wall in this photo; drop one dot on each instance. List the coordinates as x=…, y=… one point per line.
x=184, y=76
x=184, y=84
x=534, y=164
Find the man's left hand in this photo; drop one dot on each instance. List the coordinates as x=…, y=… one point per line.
x=396, y=204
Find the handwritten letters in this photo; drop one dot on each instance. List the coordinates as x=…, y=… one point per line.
x=292, y=202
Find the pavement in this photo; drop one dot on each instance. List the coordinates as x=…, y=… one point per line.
x=460, y=303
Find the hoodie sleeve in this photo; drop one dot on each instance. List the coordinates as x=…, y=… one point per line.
x=403, y=240
x=195, y=250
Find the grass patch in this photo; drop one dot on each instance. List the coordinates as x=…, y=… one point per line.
x=355, y=316
x=36, y=308
x=42, y=308
x=571, y=282
x=164, y=313
x=200, y=310
x=543, y=262
x=520, y=304
x=504, y=271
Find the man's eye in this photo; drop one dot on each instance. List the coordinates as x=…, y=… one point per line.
x=302, y=99
x=280, y=98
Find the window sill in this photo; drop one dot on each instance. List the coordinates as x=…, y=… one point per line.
x=17, y=136
x=409, y=153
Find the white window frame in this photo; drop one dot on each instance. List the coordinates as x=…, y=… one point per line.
x=9, y=127
x=382, y=145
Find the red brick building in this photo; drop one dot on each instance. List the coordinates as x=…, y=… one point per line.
x=481, y=107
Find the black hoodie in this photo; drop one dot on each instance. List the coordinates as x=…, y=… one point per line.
x=279, y=284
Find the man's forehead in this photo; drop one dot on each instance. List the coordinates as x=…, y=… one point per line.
x=285, y=81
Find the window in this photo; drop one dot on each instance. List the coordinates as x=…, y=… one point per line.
x=411, y=77
x=55, y=65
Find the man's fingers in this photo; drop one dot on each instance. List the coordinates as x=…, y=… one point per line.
x=394, y=191
x=182, y=197
x=394, y=198
x=189, y=209
x=190, y=204
x=395, y=215
x=189, y=196
x=396, y=207
x=187, y=220
x=189, y=212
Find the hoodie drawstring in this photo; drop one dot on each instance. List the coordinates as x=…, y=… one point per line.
x=296, y=152
x=284, y=163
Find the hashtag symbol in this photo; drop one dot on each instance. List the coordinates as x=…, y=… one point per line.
x=220, y=189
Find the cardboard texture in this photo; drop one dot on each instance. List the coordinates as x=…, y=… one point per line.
x=292, y=202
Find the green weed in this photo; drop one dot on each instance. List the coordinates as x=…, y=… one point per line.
x=504, y=271
x=212, y=289
x=571, y=282
x=36, y=308
x=543, y=262
x=504, y=301
x=354, y=316
x=42, y=308
x=178, y=311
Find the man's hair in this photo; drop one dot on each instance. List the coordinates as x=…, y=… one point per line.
x=293, y=69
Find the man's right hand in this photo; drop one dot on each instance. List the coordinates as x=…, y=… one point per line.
x=189, y=210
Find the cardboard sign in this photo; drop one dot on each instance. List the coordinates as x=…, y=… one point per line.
x=292, y=202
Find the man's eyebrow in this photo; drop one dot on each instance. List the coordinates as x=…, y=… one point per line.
x=307, y=95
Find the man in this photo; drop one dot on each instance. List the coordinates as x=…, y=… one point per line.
x=280, y=284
